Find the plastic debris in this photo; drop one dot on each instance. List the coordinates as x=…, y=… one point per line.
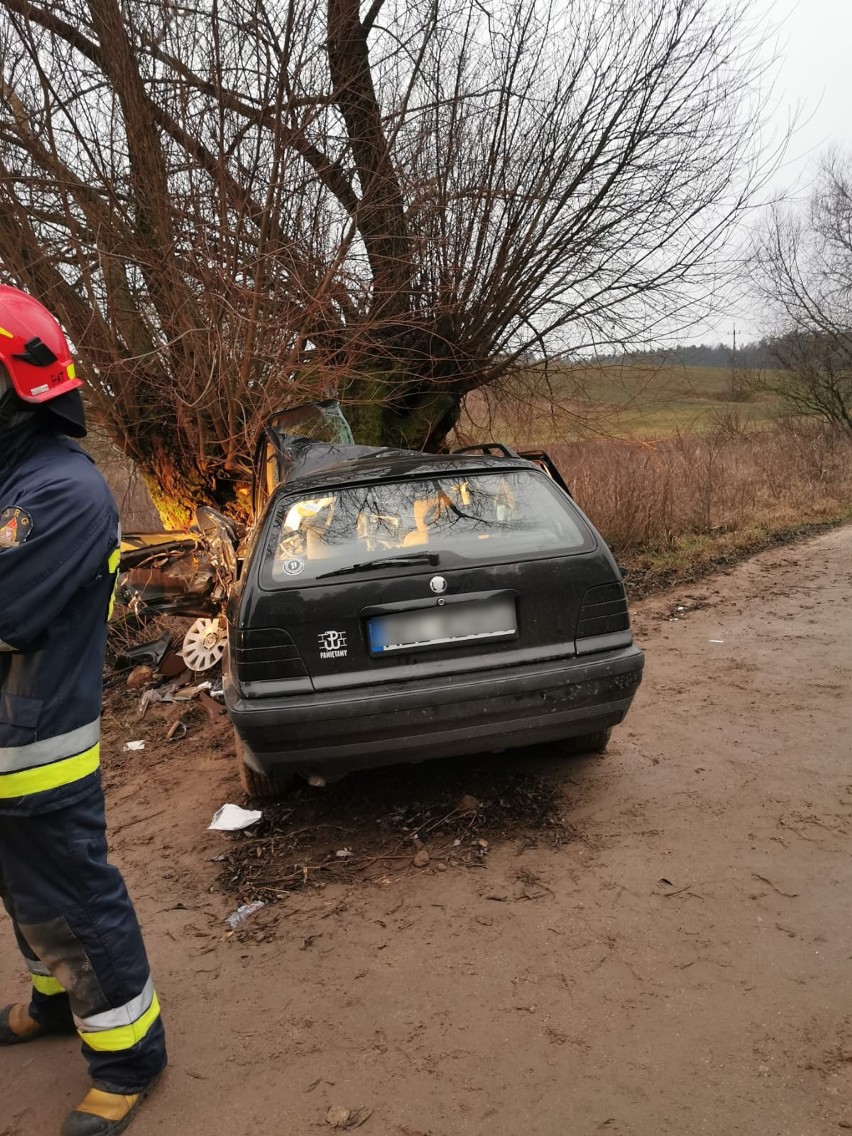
x=147, y=698
x=243, y=912
x=134, y=746
x=174, y=692
x=185, y=693
x=717, y=640
x=232, y=818
x=151, y=653
x=344, y=854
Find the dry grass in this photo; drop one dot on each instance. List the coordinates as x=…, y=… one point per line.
x=693, y=501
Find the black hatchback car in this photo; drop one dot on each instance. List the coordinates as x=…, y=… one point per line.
x=397, y=606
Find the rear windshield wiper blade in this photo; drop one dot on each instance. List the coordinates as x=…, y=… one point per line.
x=384, y=562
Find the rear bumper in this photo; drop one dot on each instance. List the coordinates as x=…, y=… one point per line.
x=335, y=732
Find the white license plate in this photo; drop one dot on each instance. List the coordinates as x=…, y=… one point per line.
x=443, y=626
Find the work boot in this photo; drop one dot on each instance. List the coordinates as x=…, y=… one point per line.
x=16, y=1026
x=103, y=1114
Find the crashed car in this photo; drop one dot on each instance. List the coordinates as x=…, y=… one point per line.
x=190, y=572
x=183, y=573
x=396, y=606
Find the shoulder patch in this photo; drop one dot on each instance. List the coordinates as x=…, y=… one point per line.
x=15, y=526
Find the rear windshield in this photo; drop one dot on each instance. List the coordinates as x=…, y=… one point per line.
x=479, y=517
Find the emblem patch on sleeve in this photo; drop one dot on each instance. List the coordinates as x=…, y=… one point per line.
x=15, y=526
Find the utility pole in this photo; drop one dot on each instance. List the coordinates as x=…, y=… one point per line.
x=736, y=378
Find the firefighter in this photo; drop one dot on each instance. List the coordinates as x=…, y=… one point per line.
x=71, y=914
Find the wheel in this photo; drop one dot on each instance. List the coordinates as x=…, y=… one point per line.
x=257, y=785
x=204, y=644
x=587, y=743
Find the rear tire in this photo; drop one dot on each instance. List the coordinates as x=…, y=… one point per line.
x=586, y=743
x=257, y=785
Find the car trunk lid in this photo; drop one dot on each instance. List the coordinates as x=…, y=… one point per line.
x=496, y=595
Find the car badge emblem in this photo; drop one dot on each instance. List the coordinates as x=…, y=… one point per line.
x=438, y=584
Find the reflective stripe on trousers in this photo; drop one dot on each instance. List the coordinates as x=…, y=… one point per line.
x=43, y=980
x=49, y=763
x=111, y=1030
x=123, y=1027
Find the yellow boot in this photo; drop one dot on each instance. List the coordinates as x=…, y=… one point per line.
x=103, y=1114
x=16, y=1026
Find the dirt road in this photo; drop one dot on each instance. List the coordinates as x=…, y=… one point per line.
x=681, y=966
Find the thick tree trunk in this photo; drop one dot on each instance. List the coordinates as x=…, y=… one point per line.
x=177, y=488
x=417, y=421
x=405, y=384
x=174, y=492
x=381, y=211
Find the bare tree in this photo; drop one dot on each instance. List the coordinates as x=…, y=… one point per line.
x=803, y=271
x=243, y=203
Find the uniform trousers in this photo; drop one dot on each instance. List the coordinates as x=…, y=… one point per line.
x=78, y=933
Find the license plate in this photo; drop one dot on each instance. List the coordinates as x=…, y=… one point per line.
x=443, y=626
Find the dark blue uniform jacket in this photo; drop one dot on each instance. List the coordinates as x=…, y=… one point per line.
x=58, y=558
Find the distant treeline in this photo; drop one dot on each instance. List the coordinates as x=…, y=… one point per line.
x=750, y=355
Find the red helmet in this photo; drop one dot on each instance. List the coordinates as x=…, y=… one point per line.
x=33, y=348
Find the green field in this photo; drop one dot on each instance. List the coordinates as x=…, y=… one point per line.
x=633, y=401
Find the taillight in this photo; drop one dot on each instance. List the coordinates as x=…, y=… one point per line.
x=603, y=612
x=265, y=653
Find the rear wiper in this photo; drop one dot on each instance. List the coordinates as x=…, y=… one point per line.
x=384, y=562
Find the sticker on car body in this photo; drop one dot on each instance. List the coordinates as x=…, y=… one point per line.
x=332, y=644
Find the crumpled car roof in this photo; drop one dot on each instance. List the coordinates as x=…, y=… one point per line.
x=304, y=457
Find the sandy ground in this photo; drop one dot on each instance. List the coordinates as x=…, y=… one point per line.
x=681, y=966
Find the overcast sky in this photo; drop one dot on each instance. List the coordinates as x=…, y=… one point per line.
x=814, y=74
x=813, y=81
